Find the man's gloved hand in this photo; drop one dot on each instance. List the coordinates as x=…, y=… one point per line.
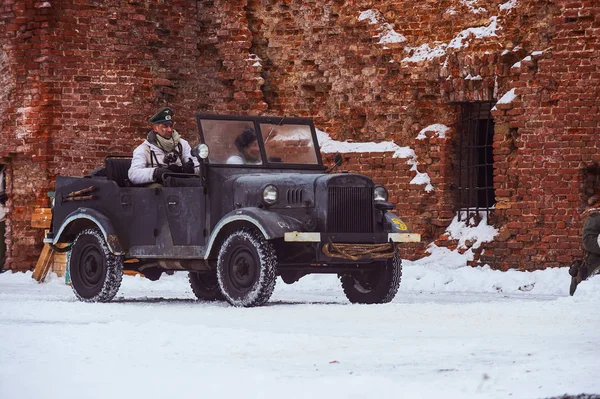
x=188, y=167
x=173, y=168
x=158, y=173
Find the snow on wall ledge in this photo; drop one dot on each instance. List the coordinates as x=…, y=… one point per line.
x=461, y=40
x=437, y=128
x=329, y=146
x=425, y=52
x=387, y=33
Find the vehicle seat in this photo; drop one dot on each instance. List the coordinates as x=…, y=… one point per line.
x=117, y=169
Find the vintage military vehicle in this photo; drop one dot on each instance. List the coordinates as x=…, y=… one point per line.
x=234, y=227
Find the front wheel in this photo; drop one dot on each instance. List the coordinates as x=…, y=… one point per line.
x=374, y=286
x=246, y=268
x=94, y=271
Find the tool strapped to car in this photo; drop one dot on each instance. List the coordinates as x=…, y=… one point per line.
x=79, y=195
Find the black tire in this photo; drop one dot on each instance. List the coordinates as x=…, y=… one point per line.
x=246, y=269
x=205, y=286
x=378, y=286
x=95, y=272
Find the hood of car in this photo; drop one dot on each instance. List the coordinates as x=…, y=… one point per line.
x=293, y=190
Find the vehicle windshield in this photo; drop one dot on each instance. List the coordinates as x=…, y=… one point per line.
x=235, y=142
x=289, y=144
x=227, y=142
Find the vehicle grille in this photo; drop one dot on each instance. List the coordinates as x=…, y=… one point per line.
x=350, y=210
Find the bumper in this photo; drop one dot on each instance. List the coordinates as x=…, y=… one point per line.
x=296, y=236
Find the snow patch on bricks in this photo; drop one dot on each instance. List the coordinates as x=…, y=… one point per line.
x=329, y=146
x=386, y=34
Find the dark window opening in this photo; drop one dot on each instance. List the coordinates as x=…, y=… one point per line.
x=475, y=175
x=590, y=183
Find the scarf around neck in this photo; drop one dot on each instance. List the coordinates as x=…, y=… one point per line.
x=167, y=145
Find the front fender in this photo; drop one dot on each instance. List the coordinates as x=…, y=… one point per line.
x=271, y=225
x=397, y=225
x=99, y=219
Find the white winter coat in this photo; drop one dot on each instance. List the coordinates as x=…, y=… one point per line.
x=146, y=156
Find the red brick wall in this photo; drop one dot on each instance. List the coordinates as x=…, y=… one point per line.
x=27, y=108
x=546, y=138
x=80, y=78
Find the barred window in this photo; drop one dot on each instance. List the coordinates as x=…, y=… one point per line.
x=475, y=173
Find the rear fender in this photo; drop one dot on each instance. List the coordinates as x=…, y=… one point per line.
x=96, y=218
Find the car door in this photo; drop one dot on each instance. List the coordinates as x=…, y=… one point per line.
x=185, y=211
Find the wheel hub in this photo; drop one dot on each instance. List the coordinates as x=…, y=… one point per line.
x=243, y=269
x=91, y=267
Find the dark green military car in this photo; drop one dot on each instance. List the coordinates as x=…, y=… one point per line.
x=233, y=226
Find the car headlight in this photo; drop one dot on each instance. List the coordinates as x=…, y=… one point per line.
x=380, y=193
x=201, y=150
x=270, y=194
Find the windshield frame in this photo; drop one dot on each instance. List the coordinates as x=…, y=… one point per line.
x=257, y=121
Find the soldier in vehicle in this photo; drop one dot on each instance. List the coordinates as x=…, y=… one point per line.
x=163, y=151
x=590, y=264
x=247, y=145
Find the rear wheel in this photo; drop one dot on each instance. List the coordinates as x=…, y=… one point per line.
x=206, y=286
x=374, y=286
x=246, y=268
x=94, y=271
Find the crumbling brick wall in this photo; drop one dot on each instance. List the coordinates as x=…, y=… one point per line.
x=323, y=62
x=546, y=138
x=81, y=78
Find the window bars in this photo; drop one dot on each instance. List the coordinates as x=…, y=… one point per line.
x=475, y=177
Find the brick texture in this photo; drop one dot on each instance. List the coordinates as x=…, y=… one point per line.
x=79, y=79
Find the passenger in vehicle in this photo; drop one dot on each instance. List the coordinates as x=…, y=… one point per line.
x=248, y=151
x=163, y=151
x=590, y=264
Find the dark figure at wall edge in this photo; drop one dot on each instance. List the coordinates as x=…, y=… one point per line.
x=589, y=266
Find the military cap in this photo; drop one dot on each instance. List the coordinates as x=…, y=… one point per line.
x=245, y=139
x=164, y=115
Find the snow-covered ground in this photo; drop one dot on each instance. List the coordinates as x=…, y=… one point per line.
x=452, y=331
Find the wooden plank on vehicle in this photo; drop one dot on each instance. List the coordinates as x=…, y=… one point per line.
x=43, y=264
x=41, y=218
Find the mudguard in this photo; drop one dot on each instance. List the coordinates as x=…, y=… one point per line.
x=398, y=226
x=101, y=221
x=271, y=225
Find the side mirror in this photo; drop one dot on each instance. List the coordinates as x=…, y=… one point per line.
x=200, y=151
x=337, y=162
x=338, y=159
